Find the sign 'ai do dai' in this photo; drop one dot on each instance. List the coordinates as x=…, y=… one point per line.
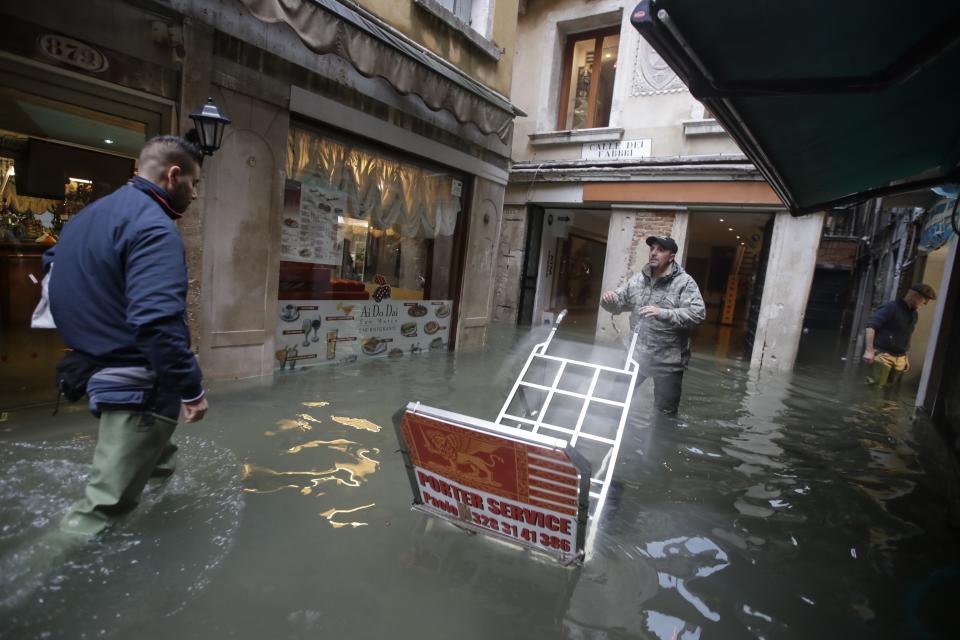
x=528, y=488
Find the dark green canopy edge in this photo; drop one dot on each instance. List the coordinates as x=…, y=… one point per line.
x=835, y=102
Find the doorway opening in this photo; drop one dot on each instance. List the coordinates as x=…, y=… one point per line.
x=726, y=256
x=571, y=248
x=531, y=266
x=62, y=145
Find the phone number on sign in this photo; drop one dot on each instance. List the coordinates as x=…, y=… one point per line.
x=529, y=535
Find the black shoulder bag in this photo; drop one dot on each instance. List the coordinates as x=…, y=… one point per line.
x=74, y=371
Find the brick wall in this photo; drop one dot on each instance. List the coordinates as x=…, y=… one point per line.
x=837, y=254
x=647, y=223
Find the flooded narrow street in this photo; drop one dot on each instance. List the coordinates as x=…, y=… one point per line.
x=788, y=507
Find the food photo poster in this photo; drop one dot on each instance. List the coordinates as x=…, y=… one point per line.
x=316, y=332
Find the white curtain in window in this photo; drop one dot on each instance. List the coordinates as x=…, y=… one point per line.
x=382, y=191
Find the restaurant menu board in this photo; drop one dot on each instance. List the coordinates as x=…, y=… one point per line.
x=498, y=483
x=310, y=232
x=313, y=332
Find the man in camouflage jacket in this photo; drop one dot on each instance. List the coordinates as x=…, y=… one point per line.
x=664, y=303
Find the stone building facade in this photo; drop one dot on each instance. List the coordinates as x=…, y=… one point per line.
x=412, y=96
x=615, y=148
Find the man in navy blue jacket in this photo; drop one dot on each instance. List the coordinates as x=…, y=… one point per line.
x=118, y=287
x=888, y=335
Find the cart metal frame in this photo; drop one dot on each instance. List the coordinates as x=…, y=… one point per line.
x=582, y=431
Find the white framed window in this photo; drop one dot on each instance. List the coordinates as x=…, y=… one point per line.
x=463, y=9
x=475, y=13
x=472, y=18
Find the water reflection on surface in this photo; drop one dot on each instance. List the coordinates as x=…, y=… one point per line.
x=790, y=506
x=356, y=423
x=350, y=464
x=330, y=514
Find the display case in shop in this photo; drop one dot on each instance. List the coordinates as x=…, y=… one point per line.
x=307, y=281
x=28, y=227
x=27, y=356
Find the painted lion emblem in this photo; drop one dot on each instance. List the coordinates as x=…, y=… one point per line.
x=464, y=455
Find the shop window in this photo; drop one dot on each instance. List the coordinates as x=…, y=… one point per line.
x=367, y=250
x=368, y=218
x=586, y=88
x=63, y=143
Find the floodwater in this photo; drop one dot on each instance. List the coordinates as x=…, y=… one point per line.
x=792, y=506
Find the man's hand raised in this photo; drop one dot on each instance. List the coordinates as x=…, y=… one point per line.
x=194, y=411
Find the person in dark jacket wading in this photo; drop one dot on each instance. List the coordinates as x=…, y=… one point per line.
x=888, y=335
x=664, y=303
x=118, y=286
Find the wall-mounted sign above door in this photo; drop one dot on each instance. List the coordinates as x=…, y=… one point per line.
x=619, y=150
x=72, y=52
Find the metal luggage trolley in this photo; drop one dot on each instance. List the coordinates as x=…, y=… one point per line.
x=594, y=429
x=538, y=475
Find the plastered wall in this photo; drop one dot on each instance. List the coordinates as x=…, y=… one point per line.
x=932, y=275
x=509, y=260
x=241, y=239
x=419, y=25
x=480, y=265
x=648, y=100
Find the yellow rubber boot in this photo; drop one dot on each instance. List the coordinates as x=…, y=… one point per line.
x=879, y=374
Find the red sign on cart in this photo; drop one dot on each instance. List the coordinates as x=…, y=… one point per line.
x=498, y=480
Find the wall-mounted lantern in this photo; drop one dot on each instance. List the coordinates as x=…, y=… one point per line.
x=210, y=124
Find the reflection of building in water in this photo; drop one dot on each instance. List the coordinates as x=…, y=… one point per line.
x=316, y=482
x=451, y=558
x=333, y=464
x=330, y=514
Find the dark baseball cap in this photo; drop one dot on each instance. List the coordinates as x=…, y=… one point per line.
x=923, y=289
x=666, y=242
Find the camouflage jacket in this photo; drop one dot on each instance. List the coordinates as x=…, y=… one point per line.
x=663, y=341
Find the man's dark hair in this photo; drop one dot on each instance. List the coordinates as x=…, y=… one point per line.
x=165, y=151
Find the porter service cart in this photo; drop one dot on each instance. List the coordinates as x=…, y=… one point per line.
x=539, y=474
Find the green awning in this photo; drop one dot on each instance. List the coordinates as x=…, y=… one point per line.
x=834, y=101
